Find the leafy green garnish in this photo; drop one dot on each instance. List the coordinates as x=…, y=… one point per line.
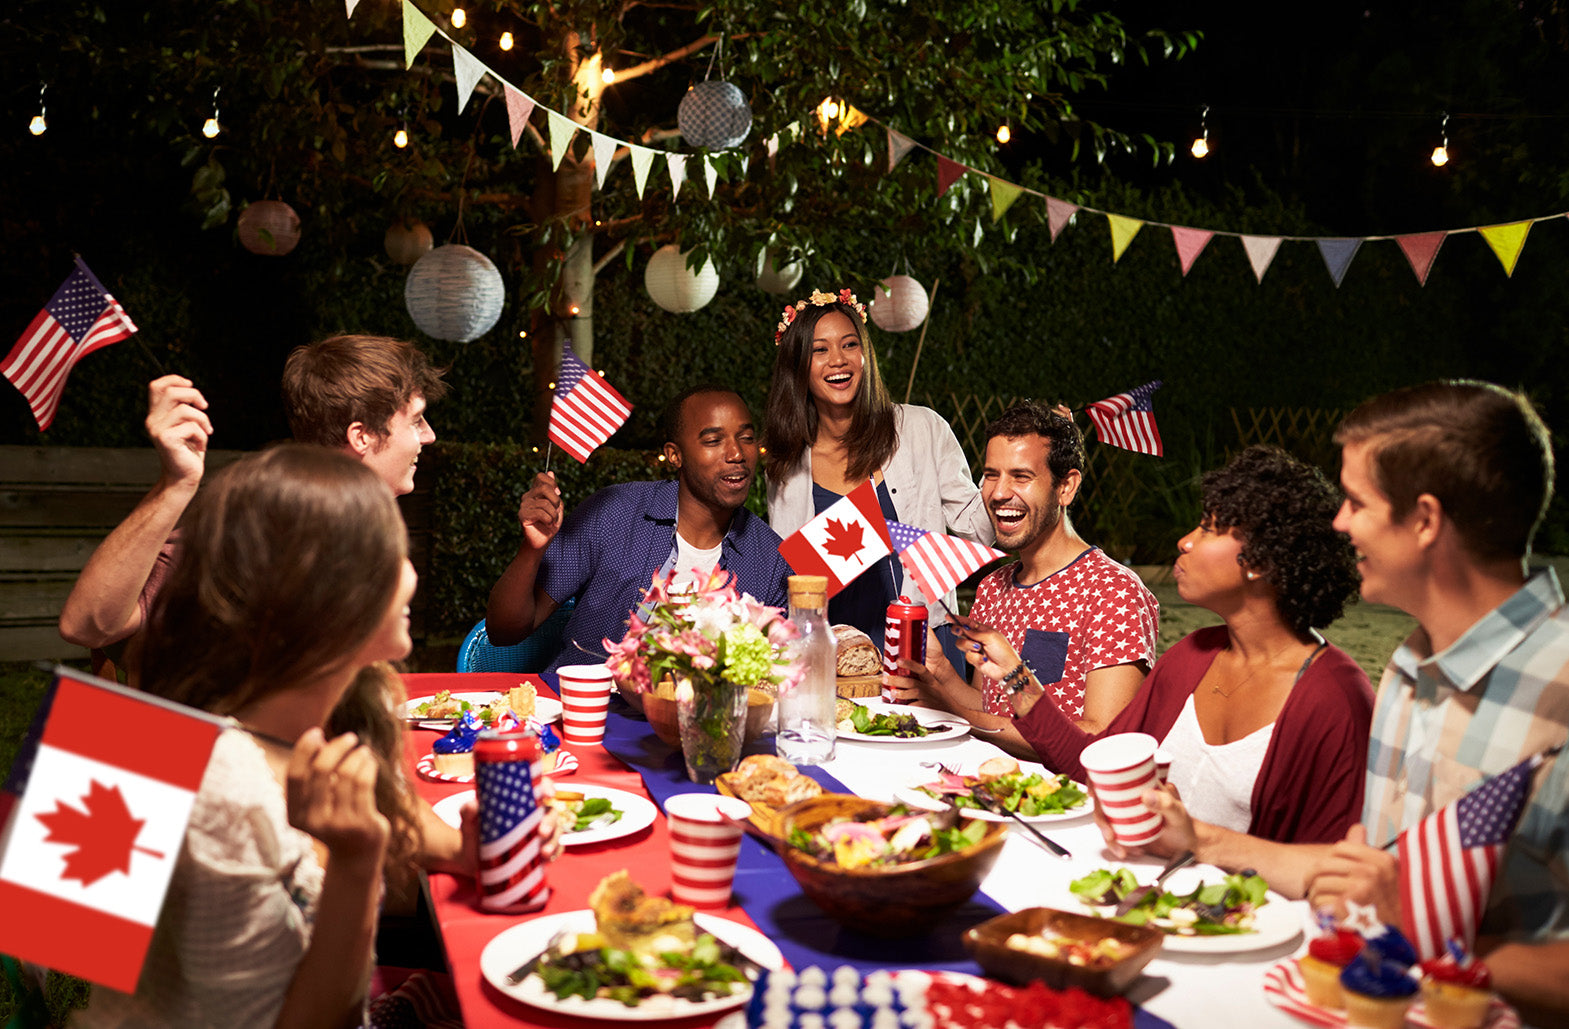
x=620, y=975
x=886, y=724
x=1217, y=909
x=592, y=810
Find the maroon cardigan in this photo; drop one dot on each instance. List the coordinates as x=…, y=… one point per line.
x=1309, y=788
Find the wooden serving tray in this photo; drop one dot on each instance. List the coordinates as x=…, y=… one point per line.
x=765, y=822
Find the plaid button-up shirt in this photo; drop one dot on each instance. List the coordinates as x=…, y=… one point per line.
x=1444, y=722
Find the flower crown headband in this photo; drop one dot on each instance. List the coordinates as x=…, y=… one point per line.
x=819, y=299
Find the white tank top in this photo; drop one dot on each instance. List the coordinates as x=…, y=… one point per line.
x=1216, y=782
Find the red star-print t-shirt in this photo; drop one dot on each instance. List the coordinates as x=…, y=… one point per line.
x=1092, y=614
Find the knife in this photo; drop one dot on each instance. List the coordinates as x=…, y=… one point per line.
x=1135, y=897
x=993, y=804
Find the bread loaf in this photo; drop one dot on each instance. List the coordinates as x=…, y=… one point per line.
x=858, y=655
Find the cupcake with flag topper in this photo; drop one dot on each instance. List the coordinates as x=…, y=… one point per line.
x=1378, y=983
x=1328, y=955
x=1456, y=989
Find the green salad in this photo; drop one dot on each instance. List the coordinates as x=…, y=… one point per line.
x=1024, y=793
x=905, y=727
x=584, y=812
x=1211, y=909
x=621, y=975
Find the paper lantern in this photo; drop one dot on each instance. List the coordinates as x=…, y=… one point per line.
x=454, y=293
x=674, y=286
x=774, y=279
x=407, y=240
x=899, y=304
x=715, y=115
x=269, y=227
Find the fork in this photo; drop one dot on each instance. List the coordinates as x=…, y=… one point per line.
x=1134, y=898
x=523, y=971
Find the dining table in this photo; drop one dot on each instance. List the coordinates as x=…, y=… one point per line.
x=1178, y=989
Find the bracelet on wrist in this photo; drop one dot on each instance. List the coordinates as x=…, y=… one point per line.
x=1016, y=680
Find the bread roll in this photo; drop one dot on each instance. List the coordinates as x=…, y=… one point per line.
x=858, y=655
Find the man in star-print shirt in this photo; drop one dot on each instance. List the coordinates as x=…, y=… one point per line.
x=1082, y=624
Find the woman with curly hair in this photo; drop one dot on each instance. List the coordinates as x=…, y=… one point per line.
x=831, y=426
x=290, y=596
x=1266, y=723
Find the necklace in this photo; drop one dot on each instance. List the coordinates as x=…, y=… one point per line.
x=1215, y=687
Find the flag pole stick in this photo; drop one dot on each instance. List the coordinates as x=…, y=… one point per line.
x=549, y=449
x=930, y=300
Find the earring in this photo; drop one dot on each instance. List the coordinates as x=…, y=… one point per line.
x=1252, y=576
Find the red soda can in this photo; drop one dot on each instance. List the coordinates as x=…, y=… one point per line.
x=904, y=638
x=508, y=766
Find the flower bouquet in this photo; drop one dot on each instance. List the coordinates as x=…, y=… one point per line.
x=714, y=644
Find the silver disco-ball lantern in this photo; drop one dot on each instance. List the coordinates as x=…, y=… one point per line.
x=714, y=114
x=454, y=293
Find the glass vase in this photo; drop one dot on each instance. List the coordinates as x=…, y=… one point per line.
x=713, y=727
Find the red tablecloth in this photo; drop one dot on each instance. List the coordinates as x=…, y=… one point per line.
x=465, y=930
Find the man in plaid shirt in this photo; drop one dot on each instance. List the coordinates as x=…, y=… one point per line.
x=1445, y=486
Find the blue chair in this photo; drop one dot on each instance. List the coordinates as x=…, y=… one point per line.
x=534, y=654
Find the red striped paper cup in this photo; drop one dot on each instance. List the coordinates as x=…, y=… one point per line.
x=585, y=697
x=1120, y=768
x=705, y=837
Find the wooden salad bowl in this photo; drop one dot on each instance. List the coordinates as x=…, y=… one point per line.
x=888, y=900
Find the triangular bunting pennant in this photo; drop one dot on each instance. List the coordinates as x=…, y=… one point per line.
x=677, y=165
x=852, y=119
x=898, y=146
x=562, y=129
x=1123, y=229
x=1190, y=244
x=351, y=4
x=417, y=30
x=1261, y=251
x=642, y=160
x=1337, y=255
x=710, y=174
x=604, y=153
x=948, y=173
x=519, y=107
x=1420, y=249
x=1058, y=214
x=1507, y=241
x=1003, y=195
x=468, y=70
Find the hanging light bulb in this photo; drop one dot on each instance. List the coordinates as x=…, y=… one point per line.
x=210, y=127
x=458, y=17
x=506, y=41
x=1200, y=148
x=400, y=139
x=1003, y=133
x=608, y=76
x=39, y=124
x=1441, y=151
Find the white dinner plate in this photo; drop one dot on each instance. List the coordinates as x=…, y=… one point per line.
x=911, y=794
x=1277, y=922
x=944, y=726
x=546, y=709
x=637, y=814
x=516, y=946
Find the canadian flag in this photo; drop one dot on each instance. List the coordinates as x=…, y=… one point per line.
x=86, y=857
x=842, y=542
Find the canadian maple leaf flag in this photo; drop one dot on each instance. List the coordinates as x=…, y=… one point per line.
x=842, y=542
x=86, y=857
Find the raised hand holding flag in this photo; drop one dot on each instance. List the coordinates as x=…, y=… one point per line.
x=1127, y=420
x=81, y=317
x=842, y=542
x=938, y=562
x=586, y=410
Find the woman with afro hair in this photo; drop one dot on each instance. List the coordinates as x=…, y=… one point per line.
x=1266, y=724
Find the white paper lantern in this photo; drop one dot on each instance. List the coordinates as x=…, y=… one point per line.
x=899, y=304
x=269, y=227
x=715, y=115
x=454, y=293
x=675, y=287
x=774, y=279
x=407, y=240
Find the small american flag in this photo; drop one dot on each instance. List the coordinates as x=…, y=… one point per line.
x=81, y=317
x=511, y=863
x=1127, y=420
x=1449, y=859
x=586, y=411
x=937, y=562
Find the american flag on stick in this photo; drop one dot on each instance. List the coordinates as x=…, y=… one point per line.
x=1449, y=859
x=586, y=410
x=1127, y=420
x=81, y=317
x=935, y=561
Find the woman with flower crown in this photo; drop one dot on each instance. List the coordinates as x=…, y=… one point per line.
x=831, y=425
